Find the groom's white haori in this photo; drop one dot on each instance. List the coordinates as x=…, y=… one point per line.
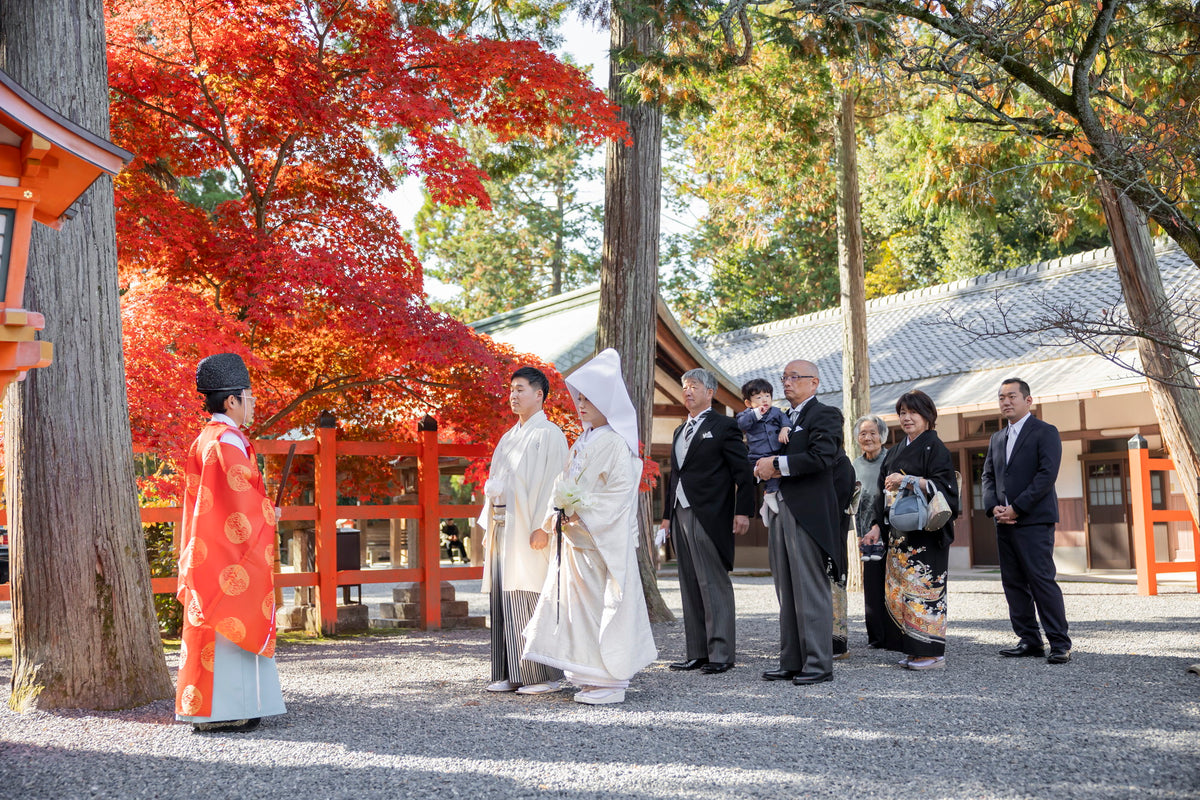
x=524, y=465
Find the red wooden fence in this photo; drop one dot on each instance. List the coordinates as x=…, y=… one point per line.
x=1145, y=515
x=325, y=512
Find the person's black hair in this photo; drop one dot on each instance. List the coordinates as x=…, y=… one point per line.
x=919, y=403
x=536, y=378
x=756, y=386
x=214, y=402
x=1022, y=384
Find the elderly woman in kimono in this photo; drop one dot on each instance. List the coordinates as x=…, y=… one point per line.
x=591, y=619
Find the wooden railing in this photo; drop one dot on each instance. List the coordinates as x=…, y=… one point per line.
x=325, y=512
x=1145, y=515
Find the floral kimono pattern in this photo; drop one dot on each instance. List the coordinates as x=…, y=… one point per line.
x=916, y=594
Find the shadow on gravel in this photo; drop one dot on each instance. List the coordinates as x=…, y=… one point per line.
x=406, y=716
x=47, y=772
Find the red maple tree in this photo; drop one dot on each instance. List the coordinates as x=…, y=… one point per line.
x=265, y=134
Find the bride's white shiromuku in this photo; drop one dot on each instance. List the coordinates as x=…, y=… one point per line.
x=591, y=618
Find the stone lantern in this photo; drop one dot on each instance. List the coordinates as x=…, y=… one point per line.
x=47, y=162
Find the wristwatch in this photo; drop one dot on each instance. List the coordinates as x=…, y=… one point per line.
x=775, y=463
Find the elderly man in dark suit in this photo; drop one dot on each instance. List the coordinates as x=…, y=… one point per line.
x=710, y=497
x=806, y=544
x=1018, y=492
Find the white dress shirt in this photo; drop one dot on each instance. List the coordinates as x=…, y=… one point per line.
x=1014, y=430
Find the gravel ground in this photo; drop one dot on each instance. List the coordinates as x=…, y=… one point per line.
x=405, y=716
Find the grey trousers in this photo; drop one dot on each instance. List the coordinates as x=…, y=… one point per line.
x=511, y=612
x=708, y=607
x=805, y=598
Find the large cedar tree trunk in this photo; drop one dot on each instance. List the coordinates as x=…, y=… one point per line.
x=856, y=373
x=629, y=261
x=1176, y=406
x=84, y=630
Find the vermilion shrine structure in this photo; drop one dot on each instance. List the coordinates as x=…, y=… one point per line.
x=46, y=163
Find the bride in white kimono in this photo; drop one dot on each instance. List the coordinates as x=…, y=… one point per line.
x=591, y=619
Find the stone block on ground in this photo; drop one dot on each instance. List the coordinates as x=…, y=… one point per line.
x=411, y=592
x=353, y=618
x=297, y=618
x=405, y=610
x=454, y=608
x=406, y=593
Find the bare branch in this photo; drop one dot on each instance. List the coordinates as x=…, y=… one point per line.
x=1106, y=330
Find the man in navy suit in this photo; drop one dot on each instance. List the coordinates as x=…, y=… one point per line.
x=710, y=497
x=1018, y=493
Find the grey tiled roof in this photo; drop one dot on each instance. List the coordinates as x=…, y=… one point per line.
x=911, y=346
x=561, y=330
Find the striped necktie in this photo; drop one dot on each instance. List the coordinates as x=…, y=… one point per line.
x=688, y=431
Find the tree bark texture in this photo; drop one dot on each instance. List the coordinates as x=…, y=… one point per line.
x=84, y=629
x=856, y=369
x=629, y=258
x=1177, y=408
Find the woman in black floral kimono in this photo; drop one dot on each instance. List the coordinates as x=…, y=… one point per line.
x=916, y=560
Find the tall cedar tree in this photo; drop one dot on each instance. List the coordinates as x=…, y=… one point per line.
x=297, y=265
x=83, y=623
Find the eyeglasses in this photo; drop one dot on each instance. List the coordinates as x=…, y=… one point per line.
x=247, y=397
x=791, y=376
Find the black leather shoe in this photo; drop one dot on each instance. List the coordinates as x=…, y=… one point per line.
x=690, y=664
x=779, y=675
x=1058, y=655
x=1022, y=650
x=227, y=726
x=815, y=677
x=716, y=667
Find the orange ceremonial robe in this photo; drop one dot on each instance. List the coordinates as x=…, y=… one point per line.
x=227, y=555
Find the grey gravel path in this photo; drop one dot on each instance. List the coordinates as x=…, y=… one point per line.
x=404, y=716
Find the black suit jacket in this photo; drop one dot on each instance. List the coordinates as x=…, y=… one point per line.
x=1027, y=481
x=716, y=477
x=809, y=490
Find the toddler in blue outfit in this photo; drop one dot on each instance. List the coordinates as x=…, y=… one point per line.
x=766, y=427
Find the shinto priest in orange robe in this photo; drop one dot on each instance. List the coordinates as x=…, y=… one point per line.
x=227, y=668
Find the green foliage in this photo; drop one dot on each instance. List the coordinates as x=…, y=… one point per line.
x=160, y=551
x=212, y=188
x=498, y=19
x=760, y=160
x=941, y=199
x=155, y=488
x=539, y=238
x=1110, y=88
